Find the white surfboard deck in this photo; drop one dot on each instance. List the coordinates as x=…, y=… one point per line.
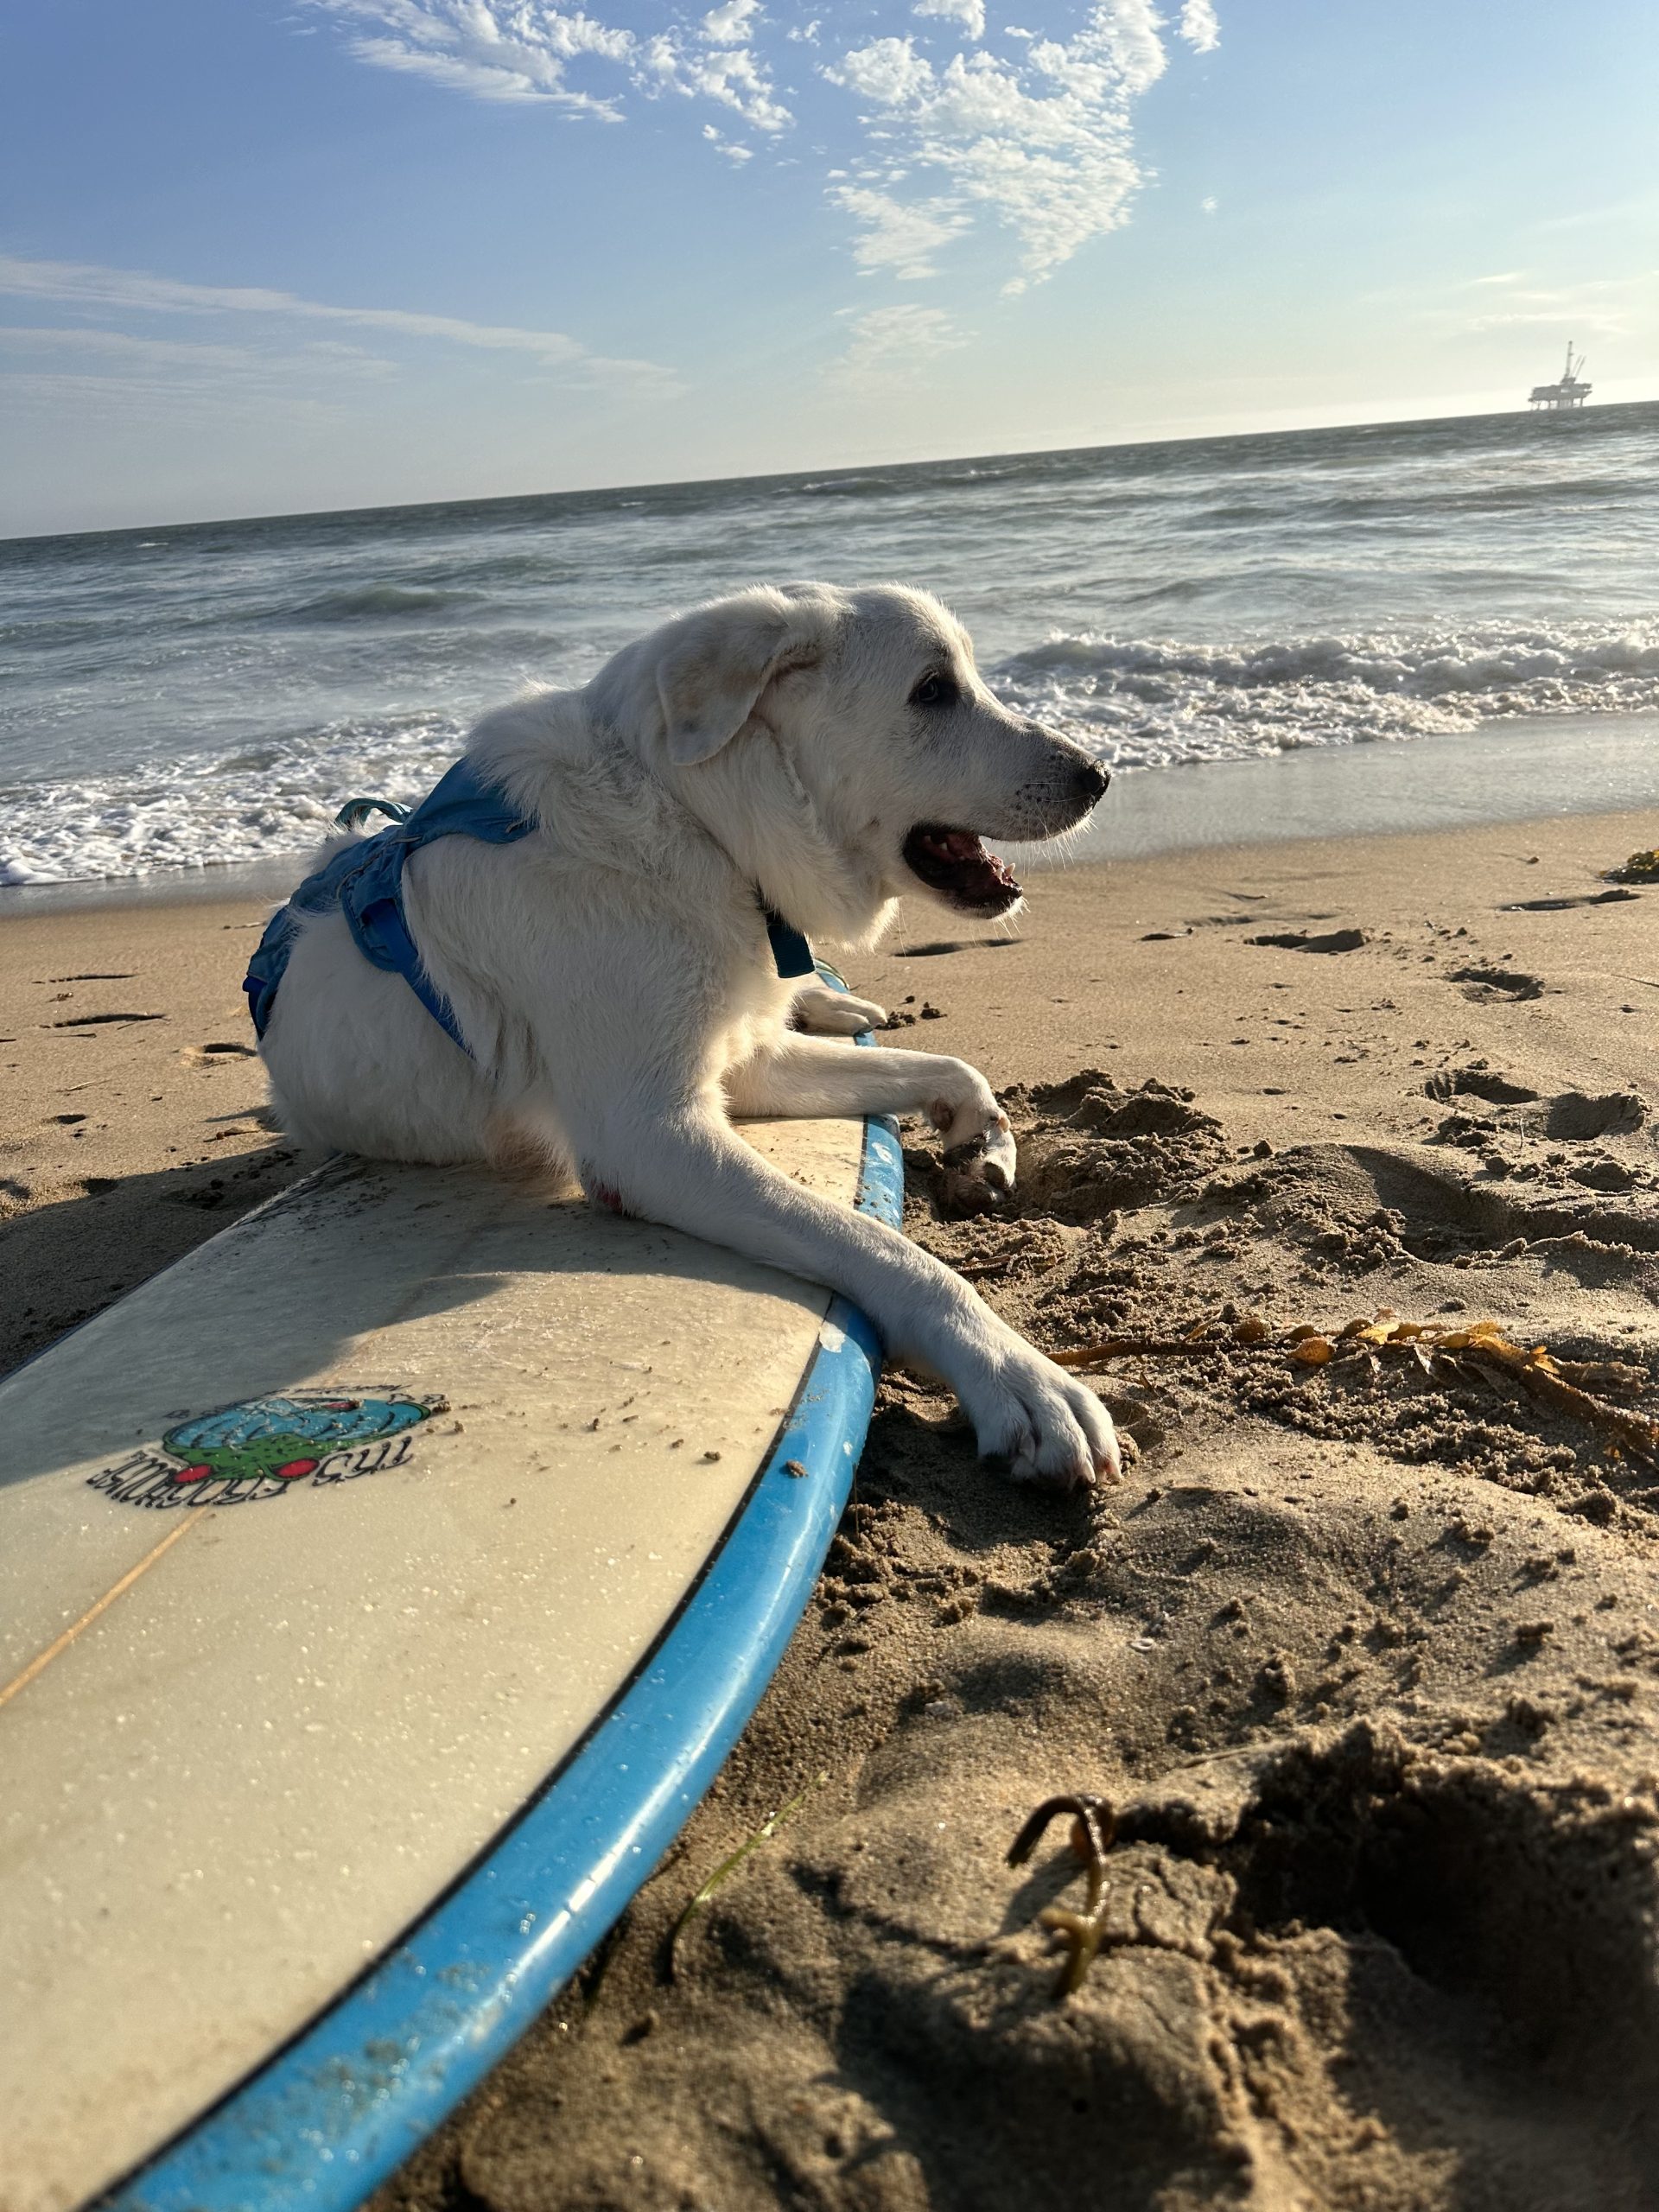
x=427, y=1699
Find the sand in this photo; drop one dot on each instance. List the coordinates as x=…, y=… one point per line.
x=132, y=1103
x=1360, y=1658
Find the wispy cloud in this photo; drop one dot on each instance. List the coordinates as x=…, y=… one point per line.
x=731, y=149
x=889, y=70
x=730, y=74
x=1040, y=139
x=732, y=23
x=970, y=14
x=504, y=52
x=899, y=237
x=185, y=360
x=123, y=290
x=896, y=346
x=1524, y=303
x=110, y=376
x=1638, y=207
x=1548, y=314
x=169, y=353
x=1597, y=308
x=527, y=50
x=1199, y=26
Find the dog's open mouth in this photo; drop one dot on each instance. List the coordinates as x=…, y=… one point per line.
x=955, y=863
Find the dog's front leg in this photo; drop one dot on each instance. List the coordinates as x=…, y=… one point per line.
x=800, y=1076
x=676, y=1159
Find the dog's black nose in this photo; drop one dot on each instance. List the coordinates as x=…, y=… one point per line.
x=1091, y=780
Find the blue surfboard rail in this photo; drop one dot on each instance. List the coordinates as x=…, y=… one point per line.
x=337, y=2111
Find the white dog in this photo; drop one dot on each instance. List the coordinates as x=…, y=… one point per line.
x=808, y=750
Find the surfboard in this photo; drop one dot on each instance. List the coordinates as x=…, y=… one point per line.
x=381, y=1586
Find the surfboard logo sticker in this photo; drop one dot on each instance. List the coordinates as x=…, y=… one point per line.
x=265, y=1447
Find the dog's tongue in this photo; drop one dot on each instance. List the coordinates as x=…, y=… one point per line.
x=957, y=845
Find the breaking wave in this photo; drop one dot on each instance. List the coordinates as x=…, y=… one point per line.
x=1147, y=703
x=256, y=803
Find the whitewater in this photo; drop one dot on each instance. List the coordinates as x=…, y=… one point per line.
x=204, y=695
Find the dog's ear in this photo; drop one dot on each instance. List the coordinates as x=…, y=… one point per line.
x=717, y=662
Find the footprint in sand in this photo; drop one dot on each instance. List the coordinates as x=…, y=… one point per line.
x=1454, y=1891
x=1497, y=986
x=1559, y=905
x=1299, y=941
x=1575, y=1116
x=1477, y=1083
x=953, y=944
x=207, y=1056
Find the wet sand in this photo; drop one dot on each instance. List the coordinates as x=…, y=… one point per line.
x=1361, y=1657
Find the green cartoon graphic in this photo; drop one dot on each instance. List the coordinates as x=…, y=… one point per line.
x=261, y=1446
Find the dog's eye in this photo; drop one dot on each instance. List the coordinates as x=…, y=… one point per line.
x=934, y=690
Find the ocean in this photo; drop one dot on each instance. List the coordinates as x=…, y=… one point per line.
x=202, y=697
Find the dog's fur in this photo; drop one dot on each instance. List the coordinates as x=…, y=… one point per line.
x=612, y=974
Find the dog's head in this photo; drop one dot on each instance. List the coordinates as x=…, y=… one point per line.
x=811, y=726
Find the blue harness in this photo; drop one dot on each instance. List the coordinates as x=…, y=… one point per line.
x=366, y=883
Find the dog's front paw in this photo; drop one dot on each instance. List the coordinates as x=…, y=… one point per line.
x=1044, y=1425
x=837, y=1013
x=859, y=1013
x=979, y=1172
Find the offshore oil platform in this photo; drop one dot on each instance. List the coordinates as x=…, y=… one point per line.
x=1568, y=392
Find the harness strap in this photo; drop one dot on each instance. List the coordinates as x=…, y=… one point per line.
x=366, y=882
x=385, y=919
x=356, y=812
x=790, y=953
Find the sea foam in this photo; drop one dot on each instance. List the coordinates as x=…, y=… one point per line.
x=208, y=811
x=1149, y=704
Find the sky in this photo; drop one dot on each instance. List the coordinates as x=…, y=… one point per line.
x=272, y=255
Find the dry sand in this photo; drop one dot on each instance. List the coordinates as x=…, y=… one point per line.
x=1361, y=1656
x=131, y=1121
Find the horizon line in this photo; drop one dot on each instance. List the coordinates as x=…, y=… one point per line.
x=1521, y=413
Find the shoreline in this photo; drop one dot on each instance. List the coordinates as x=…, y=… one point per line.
x=1532, y=768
